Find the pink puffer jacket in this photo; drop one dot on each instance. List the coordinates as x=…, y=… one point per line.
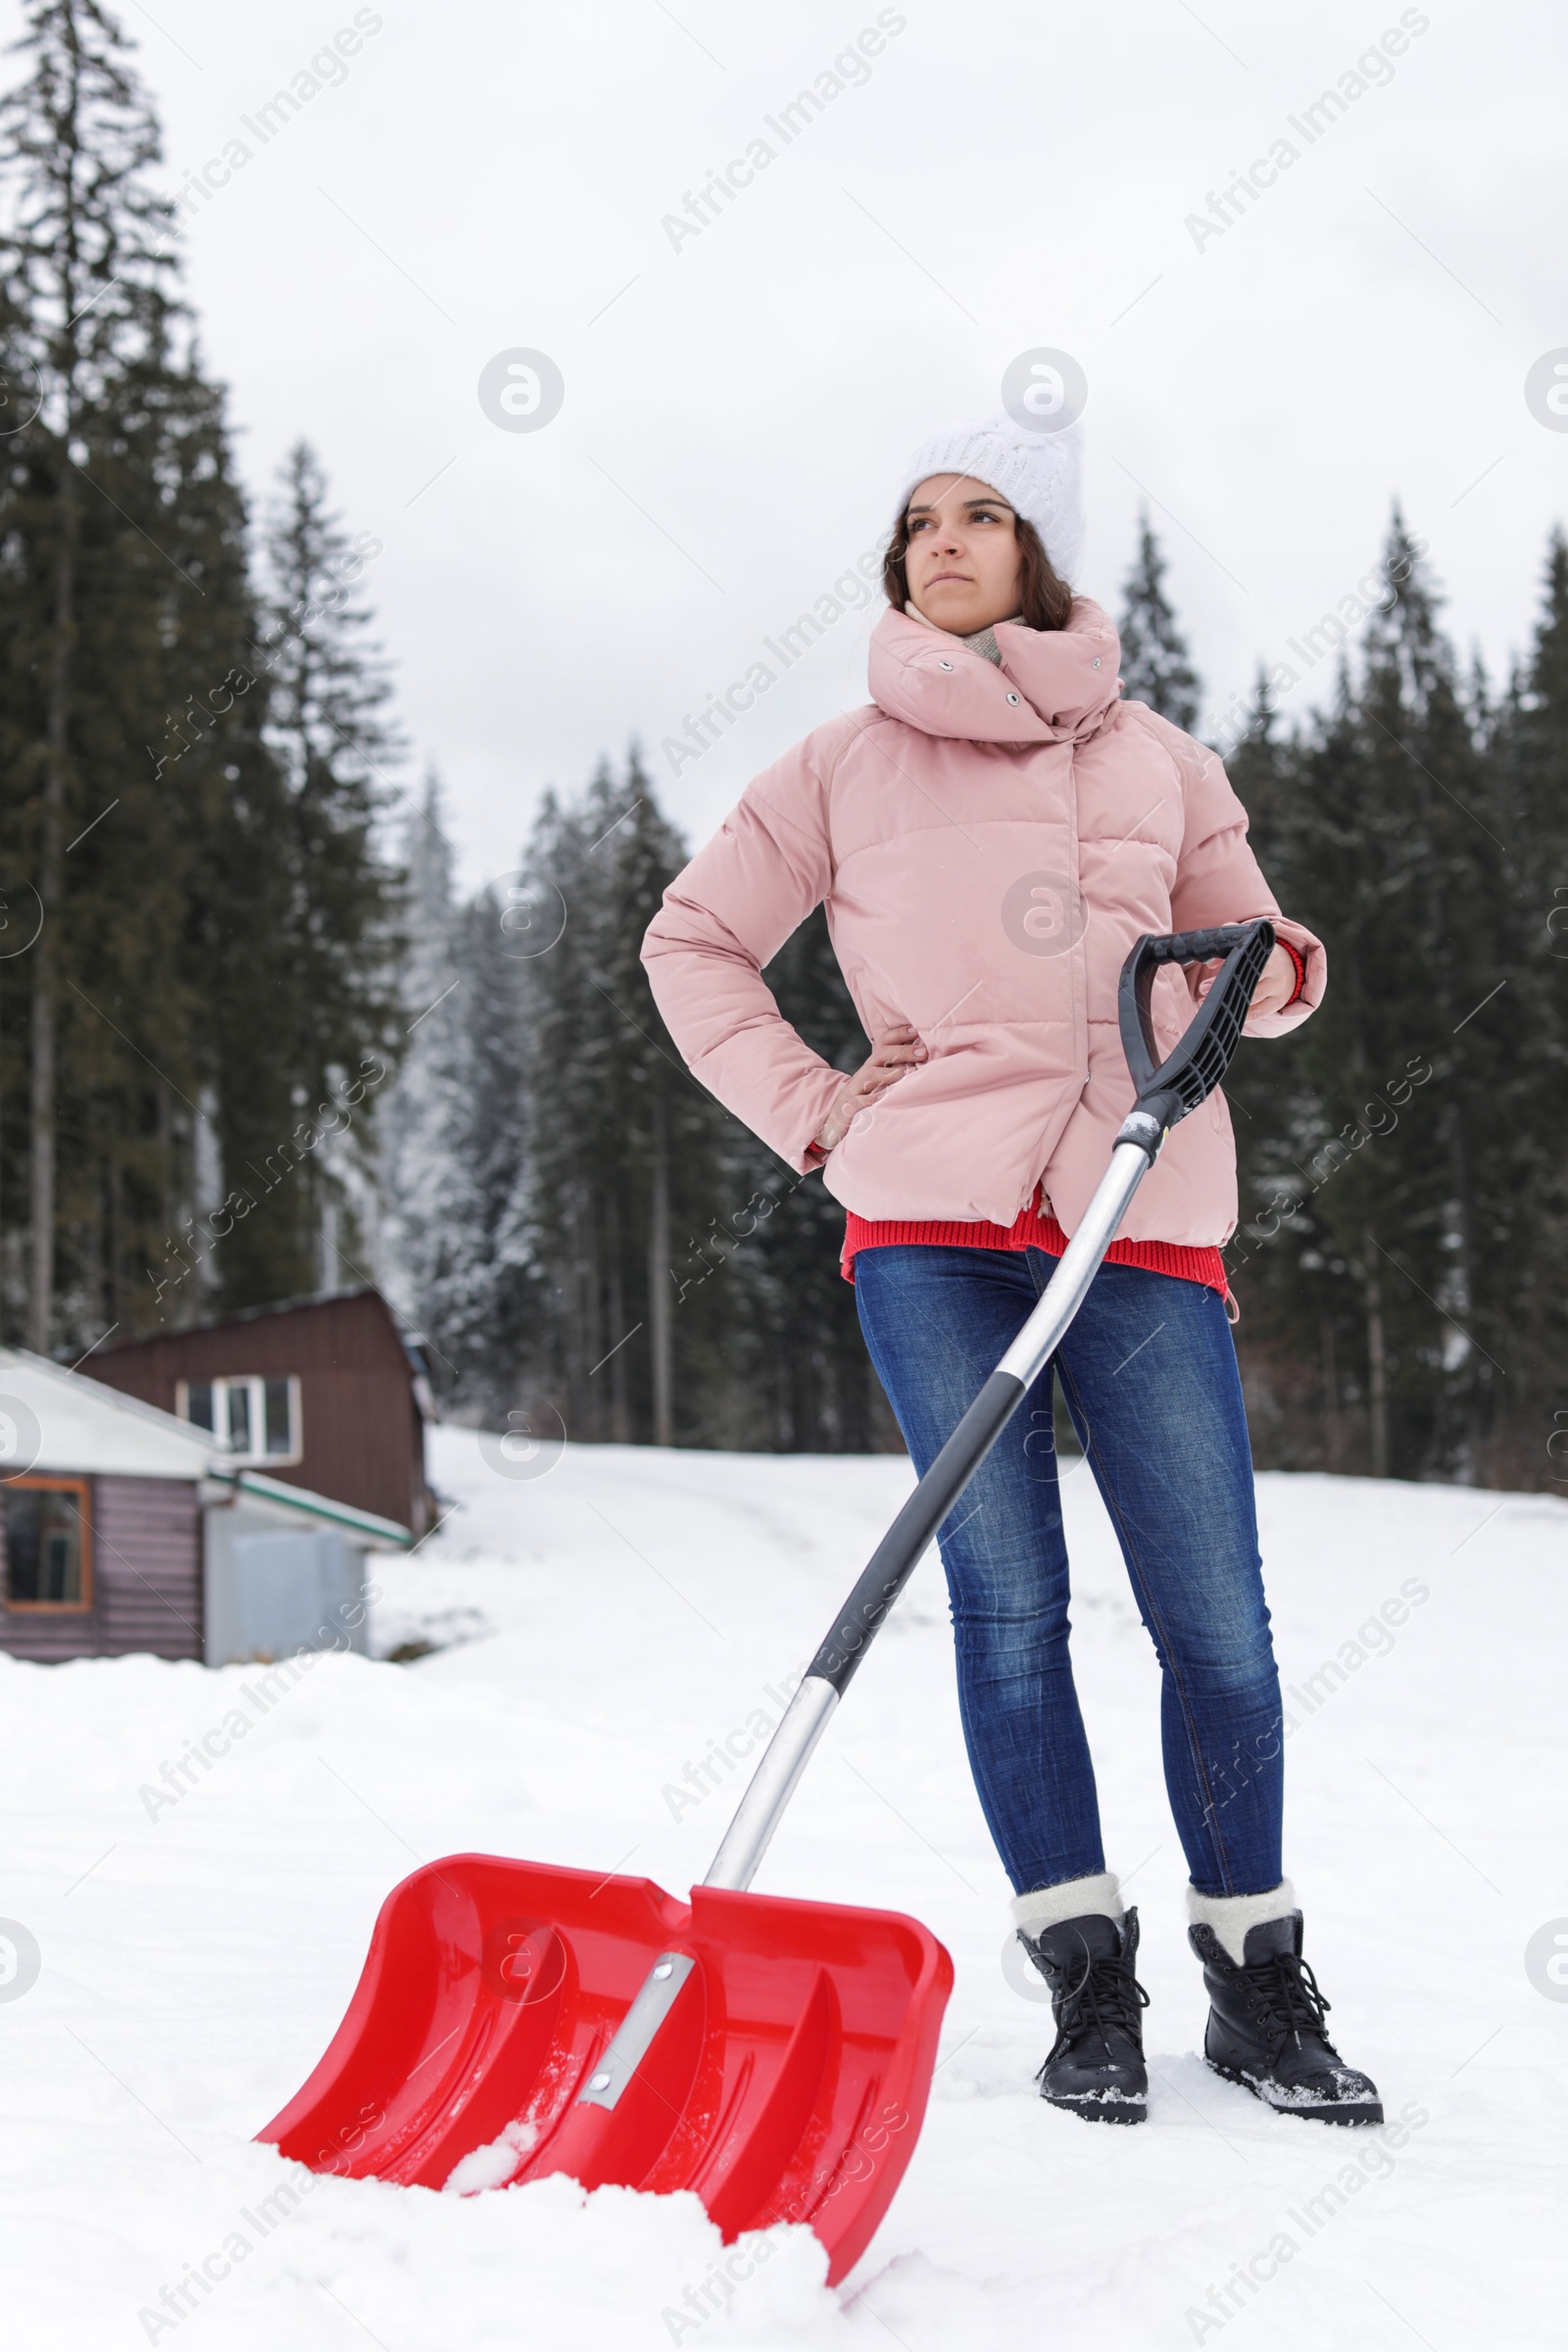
x=989, y=842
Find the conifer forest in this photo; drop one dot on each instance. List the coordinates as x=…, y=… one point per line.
x=254, y=1042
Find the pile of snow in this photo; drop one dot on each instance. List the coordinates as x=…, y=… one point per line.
x=620, y=1624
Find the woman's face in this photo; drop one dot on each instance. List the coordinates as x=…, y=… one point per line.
x=963, y=562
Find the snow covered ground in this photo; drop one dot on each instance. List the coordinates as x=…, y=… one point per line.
x=602, y=1626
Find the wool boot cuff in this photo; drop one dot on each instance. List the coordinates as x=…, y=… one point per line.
x=1073, y=1899
x=1231, y=1915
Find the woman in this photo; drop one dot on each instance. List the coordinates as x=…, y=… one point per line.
x=990, y=836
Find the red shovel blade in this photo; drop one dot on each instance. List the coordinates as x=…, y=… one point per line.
x=788, y=2083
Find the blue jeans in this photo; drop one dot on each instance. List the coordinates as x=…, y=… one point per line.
x=1148, y=1373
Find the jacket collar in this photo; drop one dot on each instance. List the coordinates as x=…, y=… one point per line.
x=1065, y=680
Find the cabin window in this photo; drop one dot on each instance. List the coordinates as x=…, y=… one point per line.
x=48, y=1543
x=257, y=1418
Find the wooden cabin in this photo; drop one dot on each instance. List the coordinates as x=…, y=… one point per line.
x=319, y=1392
x=126, y=1528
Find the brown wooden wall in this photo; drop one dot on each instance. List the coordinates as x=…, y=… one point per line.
x=145, y=1540
x=363, y=1431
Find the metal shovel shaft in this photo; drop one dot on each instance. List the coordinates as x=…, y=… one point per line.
x=901, y=1549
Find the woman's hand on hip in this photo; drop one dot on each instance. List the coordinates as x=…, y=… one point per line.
x=892, y=1054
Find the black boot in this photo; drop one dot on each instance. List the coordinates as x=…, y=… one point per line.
x=1265, y=2027
x=1096, y=2066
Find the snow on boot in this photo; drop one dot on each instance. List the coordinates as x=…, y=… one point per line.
x=1096, y=2066
x=1267, y=2015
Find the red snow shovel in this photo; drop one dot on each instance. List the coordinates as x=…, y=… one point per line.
x=774, y=2056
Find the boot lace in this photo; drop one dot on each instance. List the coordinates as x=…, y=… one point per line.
x=1107, y=1996
x=1286, y=2000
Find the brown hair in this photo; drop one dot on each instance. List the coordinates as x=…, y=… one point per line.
x=1045, y=599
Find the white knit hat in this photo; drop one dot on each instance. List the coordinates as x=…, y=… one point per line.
x=1040, y=474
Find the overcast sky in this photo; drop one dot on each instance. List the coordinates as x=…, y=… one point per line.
x=473, y=179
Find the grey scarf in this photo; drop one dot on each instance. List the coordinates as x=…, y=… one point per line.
x=983, y=642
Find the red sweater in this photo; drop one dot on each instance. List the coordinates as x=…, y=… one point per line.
x=1030, y=1230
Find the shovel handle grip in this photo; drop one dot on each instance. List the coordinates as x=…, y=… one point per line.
x=1168, y=1090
